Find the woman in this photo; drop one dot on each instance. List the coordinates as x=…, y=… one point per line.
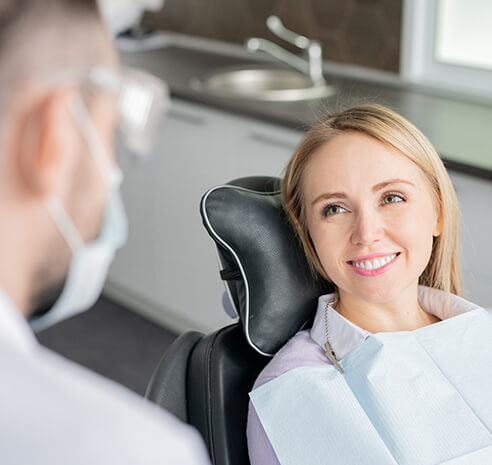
x=378, y=217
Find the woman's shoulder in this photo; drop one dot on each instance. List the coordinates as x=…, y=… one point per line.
x=300, y=351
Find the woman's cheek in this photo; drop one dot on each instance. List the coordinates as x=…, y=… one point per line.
x=328, y=244
x=413, y=232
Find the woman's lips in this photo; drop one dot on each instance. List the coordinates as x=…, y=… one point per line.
x=381, y=270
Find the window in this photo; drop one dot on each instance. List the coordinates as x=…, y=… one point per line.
x=448, y=43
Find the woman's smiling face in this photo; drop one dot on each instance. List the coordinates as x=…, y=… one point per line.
x=364, y=203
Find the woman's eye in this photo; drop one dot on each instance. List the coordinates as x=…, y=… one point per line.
x=393, y=198
x=332, y=210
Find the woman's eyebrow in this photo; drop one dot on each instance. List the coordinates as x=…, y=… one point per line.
x=329, y=195
x=382, y=185
x=375, y=188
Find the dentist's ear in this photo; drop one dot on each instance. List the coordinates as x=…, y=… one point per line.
x=45, y=146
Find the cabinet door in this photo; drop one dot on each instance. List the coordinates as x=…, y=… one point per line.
x=168, y=270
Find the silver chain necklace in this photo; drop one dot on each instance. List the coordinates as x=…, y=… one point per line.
x=330, y=353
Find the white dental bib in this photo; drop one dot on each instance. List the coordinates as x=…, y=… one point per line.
x=410, y=397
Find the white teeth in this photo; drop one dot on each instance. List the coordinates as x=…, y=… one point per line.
x=374, y=264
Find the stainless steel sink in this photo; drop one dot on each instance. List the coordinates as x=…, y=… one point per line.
x=262, y=83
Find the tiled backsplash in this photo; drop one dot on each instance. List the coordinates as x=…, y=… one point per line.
x=362, y=32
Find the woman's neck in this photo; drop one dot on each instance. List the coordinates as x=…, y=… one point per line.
x=401, y=314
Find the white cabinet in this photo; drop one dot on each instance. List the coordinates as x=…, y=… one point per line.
x=168, y=270
x=475, y=198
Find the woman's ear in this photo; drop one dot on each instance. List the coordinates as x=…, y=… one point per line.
x=438, y=227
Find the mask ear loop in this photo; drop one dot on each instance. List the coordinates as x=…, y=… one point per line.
x=113, y=177
x=65, y=225
x=81, y=116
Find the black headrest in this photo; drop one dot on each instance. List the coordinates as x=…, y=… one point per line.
x=265, y=268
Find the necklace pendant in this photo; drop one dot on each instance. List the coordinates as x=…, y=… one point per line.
x=331, y=355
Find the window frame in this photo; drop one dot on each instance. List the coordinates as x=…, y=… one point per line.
x=417, y=61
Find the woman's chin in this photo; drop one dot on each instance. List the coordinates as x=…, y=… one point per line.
x=374, y=294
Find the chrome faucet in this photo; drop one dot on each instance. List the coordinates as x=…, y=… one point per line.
x=313, y=66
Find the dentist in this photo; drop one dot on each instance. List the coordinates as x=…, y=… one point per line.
x=63, y=98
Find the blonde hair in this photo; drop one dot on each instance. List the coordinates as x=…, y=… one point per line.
x=443, y=270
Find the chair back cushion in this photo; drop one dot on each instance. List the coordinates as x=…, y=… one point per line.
x=265, y=269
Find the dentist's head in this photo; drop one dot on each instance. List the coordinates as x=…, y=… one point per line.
x=61, y=105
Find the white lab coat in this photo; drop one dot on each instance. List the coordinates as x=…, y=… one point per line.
x=55, y=412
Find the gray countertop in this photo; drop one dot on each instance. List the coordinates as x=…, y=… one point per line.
x=459, y=127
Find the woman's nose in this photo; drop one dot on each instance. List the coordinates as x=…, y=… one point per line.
x=367, y=229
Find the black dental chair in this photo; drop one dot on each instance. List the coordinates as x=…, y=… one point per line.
x=205, y=380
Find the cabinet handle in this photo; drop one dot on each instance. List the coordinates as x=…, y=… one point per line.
x=274, y=141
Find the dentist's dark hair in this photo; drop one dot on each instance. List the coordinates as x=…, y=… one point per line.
x=40, y=37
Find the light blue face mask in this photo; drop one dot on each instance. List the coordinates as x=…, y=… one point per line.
x=90, y=262
x=405, y=398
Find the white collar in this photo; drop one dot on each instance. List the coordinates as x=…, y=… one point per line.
x=346, y=336
x=14, y=329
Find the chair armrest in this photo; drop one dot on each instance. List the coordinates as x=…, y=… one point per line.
x=168, y=384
